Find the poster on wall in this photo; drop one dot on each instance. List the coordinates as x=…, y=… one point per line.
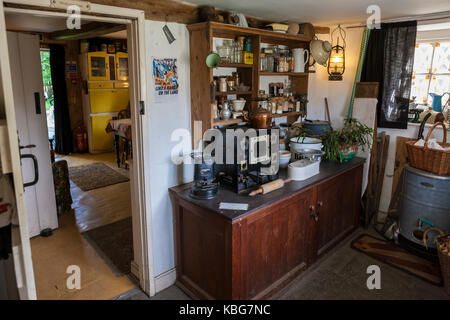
x=165, y=75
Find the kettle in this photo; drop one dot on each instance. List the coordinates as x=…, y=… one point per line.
x=437, y=101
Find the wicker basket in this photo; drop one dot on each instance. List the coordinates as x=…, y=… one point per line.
x=443, y=248
x=432, y=160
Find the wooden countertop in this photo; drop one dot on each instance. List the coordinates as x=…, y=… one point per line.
x=328, y=169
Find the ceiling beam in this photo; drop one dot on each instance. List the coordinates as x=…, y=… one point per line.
x=89, y=30
x=180, y=12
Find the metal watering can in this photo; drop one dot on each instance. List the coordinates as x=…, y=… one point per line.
x=437, y=101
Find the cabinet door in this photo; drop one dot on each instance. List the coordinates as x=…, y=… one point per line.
x=337, y=208
x=101, y=140
x=122, y=66
x=277, y=246
x=114, y=100
x=98, y=66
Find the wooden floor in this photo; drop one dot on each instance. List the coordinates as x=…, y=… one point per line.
x=91, y=209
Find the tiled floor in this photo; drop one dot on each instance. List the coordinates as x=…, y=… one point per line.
x=91, y=209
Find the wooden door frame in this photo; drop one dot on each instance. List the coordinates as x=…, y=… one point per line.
x=140, y=174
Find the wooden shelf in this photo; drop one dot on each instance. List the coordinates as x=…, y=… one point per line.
x=228, y=30
x=235, y=65
x=292, y=74
x=238, y=93
x=287, y=114
x=226, y=122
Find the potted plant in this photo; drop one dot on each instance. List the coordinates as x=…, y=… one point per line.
x=342, y=145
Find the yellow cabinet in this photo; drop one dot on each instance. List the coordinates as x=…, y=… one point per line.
x=98, y=66
x=122, y=66
x=114, y=100
x=101, y=140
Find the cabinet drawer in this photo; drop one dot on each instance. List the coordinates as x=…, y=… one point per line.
x=108, y=100
x=100, y=85
x=101, y=140
x=121, y=85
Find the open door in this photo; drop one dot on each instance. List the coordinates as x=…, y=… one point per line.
x=23, y=264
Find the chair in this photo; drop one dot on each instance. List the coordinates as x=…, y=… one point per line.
x=127, y=148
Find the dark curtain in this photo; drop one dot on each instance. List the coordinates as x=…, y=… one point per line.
x=63, y=134
x=371, y=70
x=389, y=60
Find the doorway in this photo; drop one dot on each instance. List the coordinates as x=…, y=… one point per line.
x=48, y=92
x=133, y=21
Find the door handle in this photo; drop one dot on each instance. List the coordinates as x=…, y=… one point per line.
x=35, y=164
x=313, y=215
x=36, y=169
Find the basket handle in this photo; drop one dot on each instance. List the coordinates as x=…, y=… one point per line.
x=444, y=138
x=424, y=239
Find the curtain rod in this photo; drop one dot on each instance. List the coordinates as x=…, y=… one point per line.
x=402, y=19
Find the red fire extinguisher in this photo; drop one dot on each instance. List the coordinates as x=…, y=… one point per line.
x=81, y=139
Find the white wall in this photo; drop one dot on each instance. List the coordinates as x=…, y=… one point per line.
x=337, y=92
x=163, y=119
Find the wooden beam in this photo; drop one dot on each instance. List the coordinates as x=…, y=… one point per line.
x=89, y=30
x=180, y=12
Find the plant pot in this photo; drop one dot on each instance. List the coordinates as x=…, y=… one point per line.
x=347, y=151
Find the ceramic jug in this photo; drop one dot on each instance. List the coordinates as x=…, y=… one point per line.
x=300, y=59
x=437, y=101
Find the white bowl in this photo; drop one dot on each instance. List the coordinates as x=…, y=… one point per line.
x=297, y=144
x=238, y=105
x=285, y=157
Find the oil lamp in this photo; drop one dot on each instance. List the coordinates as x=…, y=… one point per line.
x=336, y=62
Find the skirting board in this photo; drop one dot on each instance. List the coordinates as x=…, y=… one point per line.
x=165, y=280
x=135, y=269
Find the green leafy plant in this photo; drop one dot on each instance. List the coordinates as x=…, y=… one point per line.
x=354, y=133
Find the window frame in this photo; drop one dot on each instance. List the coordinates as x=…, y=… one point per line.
x=431, y=73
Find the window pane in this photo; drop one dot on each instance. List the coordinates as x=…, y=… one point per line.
x=422, y=58
x=441, y=61
x=419, y=87
x=439, y=85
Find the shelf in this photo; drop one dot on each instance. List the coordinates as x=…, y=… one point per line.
x=292, y=74
x=227, y=122
x=287, y=114
x=228, y=30
x=235, y=65
x=238, y=93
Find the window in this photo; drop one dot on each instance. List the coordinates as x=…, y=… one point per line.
x=431, y=71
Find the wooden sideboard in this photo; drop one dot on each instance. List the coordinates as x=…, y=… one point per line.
x=226, y=254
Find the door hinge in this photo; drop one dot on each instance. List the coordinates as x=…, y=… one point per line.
x=141, y=107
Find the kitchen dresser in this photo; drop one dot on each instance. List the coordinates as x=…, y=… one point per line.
x=202, y=36
x=227, y=254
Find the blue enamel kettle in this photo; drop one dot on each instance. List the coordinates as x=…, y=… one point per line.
x=437, y=101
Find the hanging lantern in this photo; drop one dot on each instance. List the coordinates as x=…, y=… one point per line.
x=336, y=62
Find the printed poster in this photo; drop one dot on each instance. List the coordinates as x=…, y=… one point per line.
x=165, y=75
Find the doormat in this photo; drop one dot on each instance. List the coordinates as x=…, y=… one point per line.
x=95, y=175
x=396, y=256
x=114, y=243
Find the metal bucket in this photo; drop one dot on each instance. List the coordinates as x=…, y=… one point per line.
x=425, y=202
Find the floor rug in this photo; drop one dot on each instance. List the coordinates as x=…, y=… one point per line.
x=396, y=256
x=95, y=175
x=114, y=243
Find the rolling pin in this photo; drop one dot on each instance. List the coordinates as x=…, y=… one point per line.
x=270, y=186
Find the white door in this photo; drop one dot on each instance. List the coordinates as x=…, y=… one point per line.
x=23, y=264
x=26, y=74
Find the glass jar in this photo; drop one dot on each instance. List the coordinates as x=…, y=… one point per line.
x=263, y=62
x=225, y=51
